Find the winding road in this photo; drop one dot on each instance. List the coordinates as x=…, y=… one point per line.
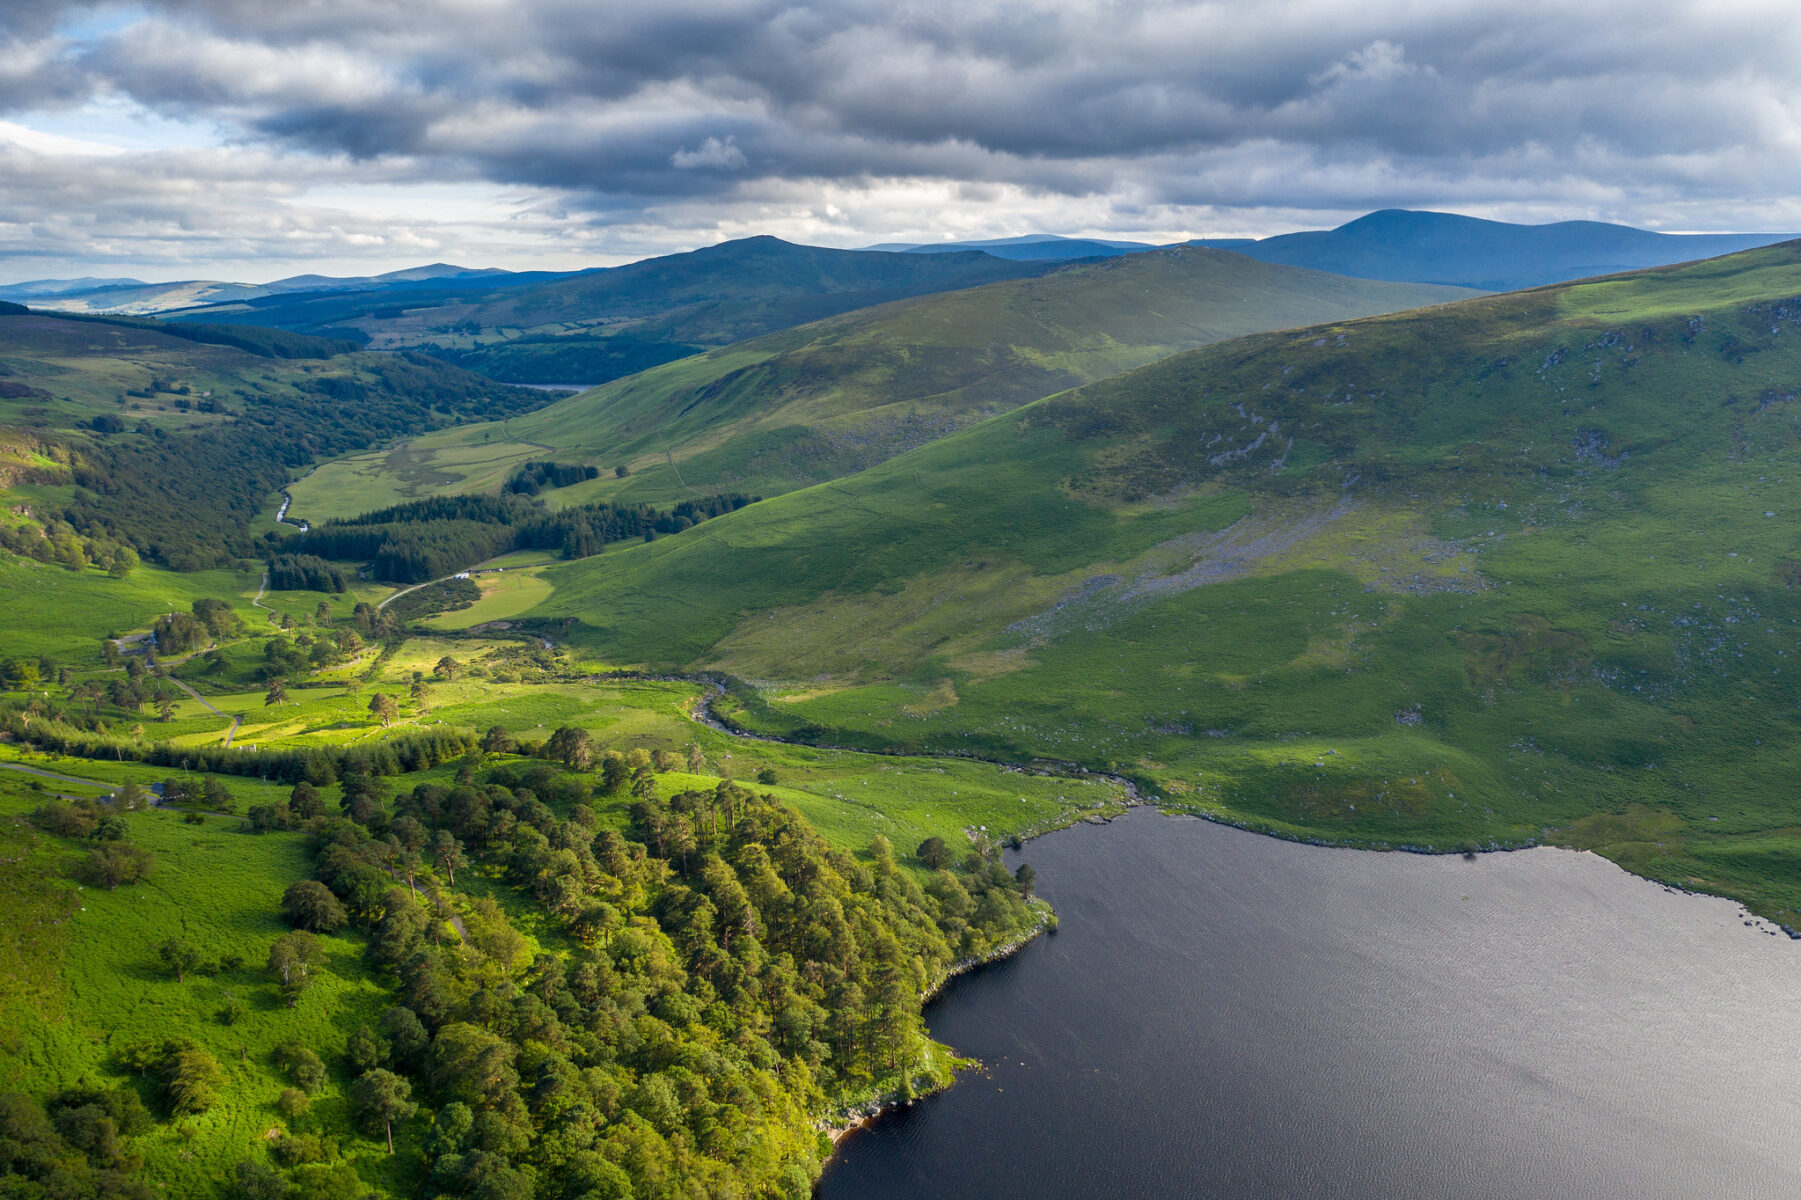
x=208, y=705
x=417, y=586
x=22, y=768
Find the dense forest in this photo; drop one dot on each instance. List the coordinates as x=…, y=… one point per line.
x=428, y=539
x=305, y=573
x=186, y=498
x=264, y=343
x=706, y=983
x=728, y=976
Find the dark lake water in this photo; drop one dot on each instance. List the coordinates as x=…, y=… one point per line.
x=1226, y=1015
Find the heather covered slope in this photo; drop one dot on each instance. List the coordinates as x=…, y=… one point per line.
x=831, y=398
x=1516, y=569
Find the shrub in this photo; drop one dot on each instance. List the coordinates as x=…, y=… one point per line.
x=114, y=863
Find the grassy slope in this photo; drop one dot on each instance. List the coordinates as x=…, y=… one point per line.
x=831, y=398
x=1523, y=573
x=82, y=979
x=50, y=610
x=88, y=367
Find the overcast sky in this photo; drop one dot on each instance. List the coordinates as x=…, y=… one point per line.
x=247, y=139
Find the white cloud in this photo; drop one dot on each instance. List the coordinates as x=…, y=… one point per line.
x=714, y=153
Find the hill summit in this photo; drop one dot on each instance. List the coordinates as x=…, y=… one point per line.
x=1436, y=247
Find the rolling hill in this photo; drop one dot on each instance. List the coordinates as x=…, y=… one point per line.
x=206, y=299
x=1523, y=568
x=1434, y=247
x=594, y=326
x=828, y=399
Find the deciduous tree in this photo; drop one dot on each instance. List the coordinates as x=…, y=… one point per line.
x=383, y=707
x=934, y=854
x=293, y=959
x=310, y=905
x=180, y=956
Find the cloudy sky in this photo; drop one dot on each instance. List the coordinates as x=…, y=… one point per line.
x=248, y=139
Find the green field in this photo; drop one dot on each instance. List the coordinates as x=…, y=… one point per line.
x=831, y=398
x=82, y=980
x=52, y=610
x=506, y=593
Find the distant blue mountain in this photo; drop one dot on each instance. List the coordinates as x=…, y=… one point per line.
x=1432, y=247
x=1034, y=247
x=56, y=287
x=135, y=297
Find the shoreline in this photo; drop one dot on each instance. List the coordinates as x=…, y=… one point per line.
x=841, y=1125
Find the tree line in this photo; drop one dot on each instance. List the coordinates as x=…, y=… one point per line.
x=534, y=477
x=305, y=573
x=428, y=539
x=264, y=343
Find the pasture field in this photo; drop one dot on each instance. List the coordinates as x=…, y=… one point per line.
x=82, y=981
x=52, y=610
x=504, y=595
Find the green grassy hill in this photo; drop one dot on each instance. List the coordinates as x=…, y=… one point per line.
x=81, y=981
x=831, y=398
x=1514, y=569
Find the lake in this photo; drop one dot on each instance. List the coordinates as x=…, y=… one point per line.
x=1228, y=1015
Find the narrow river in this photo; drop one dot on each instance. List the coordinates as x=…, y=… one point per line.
x=1227, y=1015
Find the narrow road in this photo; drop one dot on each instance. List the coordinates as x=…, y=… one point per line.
x=417, y=586
x=53, y=775
x=670, y=455
x=208, y=705
x=524, y=441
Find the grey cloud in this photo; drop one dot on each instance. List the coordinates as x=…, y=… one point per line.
x=615, y=100
x=634, y=109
